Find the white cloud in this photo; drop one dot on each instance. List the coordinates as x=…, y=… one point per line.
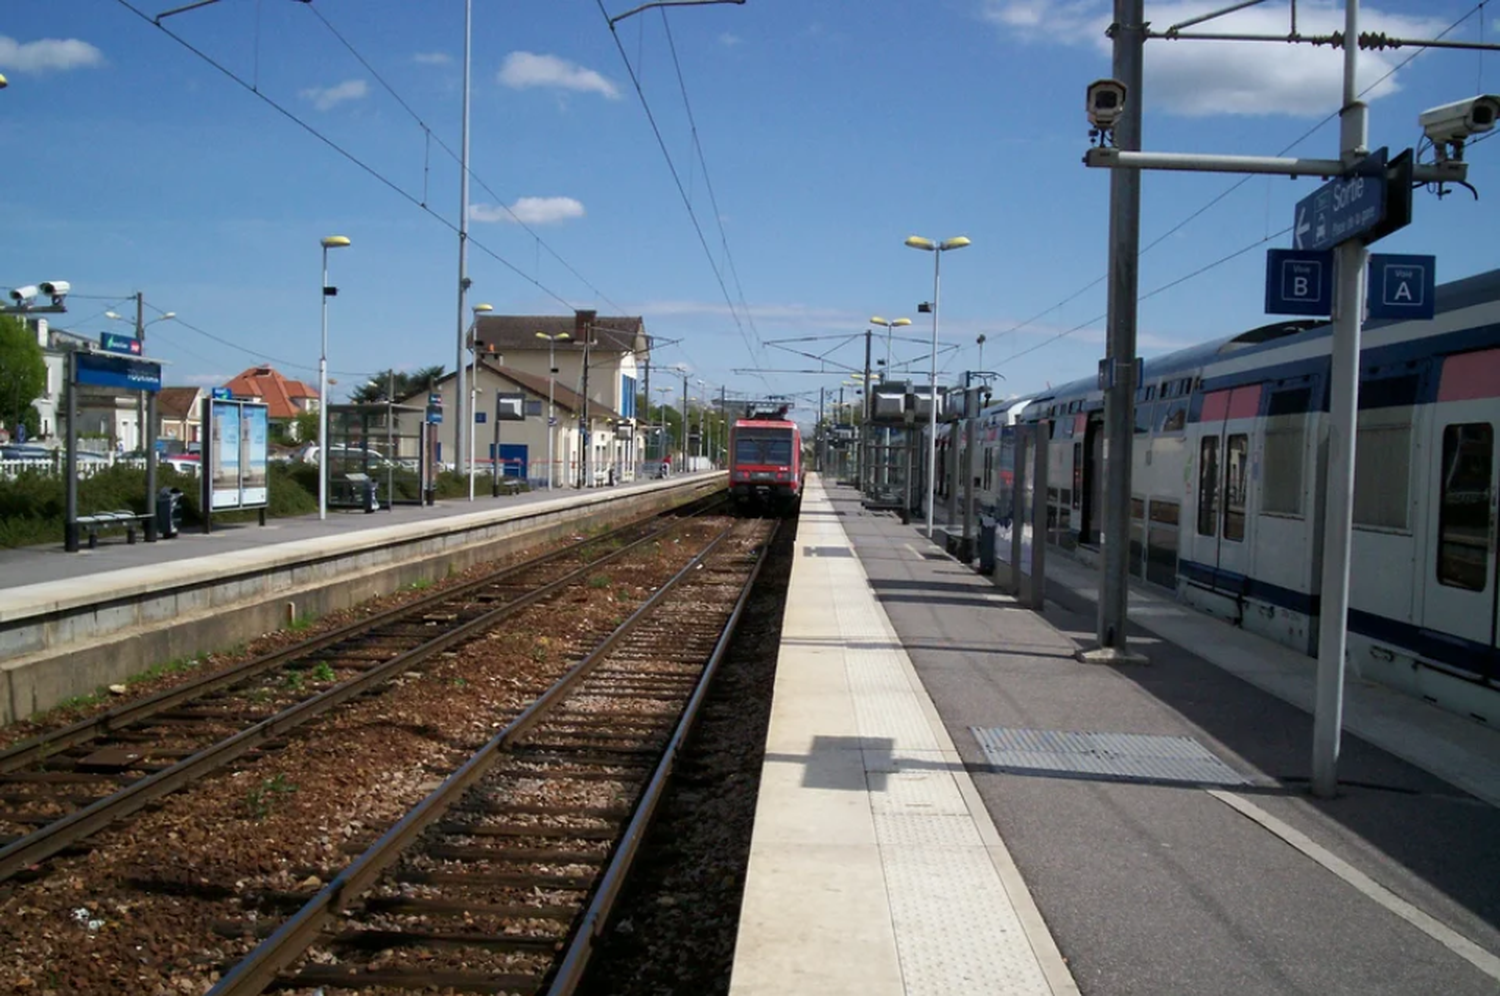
x=523, y=70
x=206, y=380
x=326, y=98
x=728, y=40
x=432, y=58
x=47, y=54
x=530, y=210
x=1201, y=78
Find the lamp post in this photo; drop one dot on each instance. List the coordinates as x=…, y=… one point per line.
x=552, y=341
x=329, y=242
x=937, y=249
x=140, y=334
x=885, y=433
x=980, y=340
x=472, y=337
x=662, y=450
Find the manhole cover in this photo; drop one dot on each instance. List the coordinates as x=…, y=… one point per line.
x=1131, y=756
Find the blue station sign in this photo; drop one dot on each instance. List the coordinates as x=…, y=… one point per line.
x=221, y=394
x=1299, y=282
x=116, y=343
x=105, y=370
x=1402, y=286
x=1344, y=208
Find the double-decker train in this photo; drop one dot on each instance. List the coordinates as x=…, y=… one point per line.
x=1229, y=472
x=765, y=461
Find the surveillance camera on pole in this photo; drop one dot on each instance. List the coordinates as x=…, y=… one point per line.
x=1450, y=125
x=20, y=295
x=56, y=290
x=1105, y=104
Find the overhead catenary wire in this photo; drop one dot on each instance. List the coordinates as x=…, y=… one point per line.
x=432, y=136
x=676, y=177
x=350, y=156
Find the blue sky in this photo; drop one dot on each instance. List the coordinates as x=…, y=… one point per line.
x=830, y=132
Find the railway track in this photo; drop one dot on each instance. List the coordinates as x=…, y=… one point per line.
x=60, y=789
x=500, y=880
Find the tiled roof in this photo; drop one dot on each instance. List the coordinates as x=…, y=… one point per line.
x=178, y=403
x=618, y=334
x=275, y=390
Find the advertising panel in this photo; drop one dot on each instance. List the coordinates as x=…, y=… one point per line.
x=122, y=372
x=224, y=442
x=254, y=436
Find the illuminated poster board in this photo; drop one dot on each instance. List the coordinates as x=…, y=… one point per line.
x=254, y=431
x=234, y=471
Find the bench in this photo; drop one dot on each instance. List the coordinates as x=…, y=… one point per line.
x=122, y=519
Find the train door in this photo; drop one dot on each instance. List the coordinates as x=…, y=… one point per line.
x=1089, y=458
x=1225, y=521
x=1461, y=578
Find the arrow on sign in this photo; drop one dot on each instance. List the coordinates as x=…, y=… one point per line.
x=1302, y=229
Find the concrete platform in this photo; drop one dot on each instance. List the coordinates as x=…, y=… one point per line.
x=923, y=718
x=70, y=623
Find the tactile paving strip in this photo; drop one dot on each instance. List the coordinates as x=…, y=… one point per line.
x=1130, y=756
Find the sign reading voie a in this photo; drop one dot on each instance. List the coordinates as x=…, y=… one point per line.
x=1402, y=286
x=1342, y=209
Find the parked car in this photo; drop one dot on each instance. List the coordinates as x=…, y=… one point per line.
x=26, y=452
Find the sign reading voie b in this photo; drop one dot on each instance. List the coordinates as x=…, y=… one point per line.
x=1344, y=208
x=1299, y=282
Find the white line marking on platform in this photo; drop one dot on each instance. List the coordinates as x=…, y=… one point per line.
x=1445, y=935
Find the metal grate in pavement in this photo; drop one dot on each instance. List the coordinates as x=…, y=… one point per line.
x=828, y=551
x=1128, y=756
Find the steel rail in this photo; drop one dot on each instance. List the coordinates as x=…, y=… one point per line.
x=596, y=917
x=81, y=824
x=259, y=969
x=30, y=751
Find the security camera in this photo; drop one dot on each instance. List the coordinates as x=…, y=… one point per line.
x=56, y=289
x=1105, y=102
x=1457, y=121
x=21, y=295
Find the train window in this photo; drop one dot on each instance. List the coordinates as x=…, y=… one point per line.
x=1208, y=486
x=1143, y=417
x=1171, y=416
x=1236, y=476
x=1382, y=468
x=1281, y=489
x=1464, y=515
x=1294, y=402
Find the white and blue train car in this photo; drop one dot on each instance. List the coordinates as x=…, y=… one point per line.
x=1227, y=488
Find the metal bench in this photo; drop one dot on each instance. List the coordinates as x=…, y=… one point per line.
x=121, y=519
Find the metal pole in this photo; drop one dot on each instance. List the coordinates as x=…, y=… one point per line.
x=463, y=252
x=586, y=465
x=865, y=457
x=322, y=402
x=937, y=260
x=685, y=419
x=390, y=438
x=1343, y=413
x=140, y=333
x=1119, y=396
x=551, y=411
x=150, y=447
x=70, y=456
x=971, y=440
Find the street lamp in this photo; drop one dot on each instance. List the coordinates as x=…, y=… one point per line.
x=328, y=242
x=980, y=340
x=140, y=334
x=3, y=82
x=479, y=309
x=662, y=450
x=937, y=249
x=552, y=341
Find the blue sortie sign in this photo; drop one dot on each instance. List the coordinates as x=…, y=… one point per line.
x=1342, y=209
x=1299, y=282
x=1402, y=286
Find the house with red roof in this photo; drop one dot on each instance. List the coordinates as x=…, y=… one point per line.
x=283, y=397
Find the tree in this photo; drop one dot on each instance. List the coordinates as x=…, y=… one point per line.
x=407, y=384
x=23, y=372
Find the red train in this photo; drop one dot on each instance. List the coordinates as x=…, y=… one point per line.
x=765, y=461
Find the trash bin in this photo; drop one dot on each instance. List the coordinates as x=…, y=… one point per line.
x=987, y=546
x=369, y=500
x=168, y=512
